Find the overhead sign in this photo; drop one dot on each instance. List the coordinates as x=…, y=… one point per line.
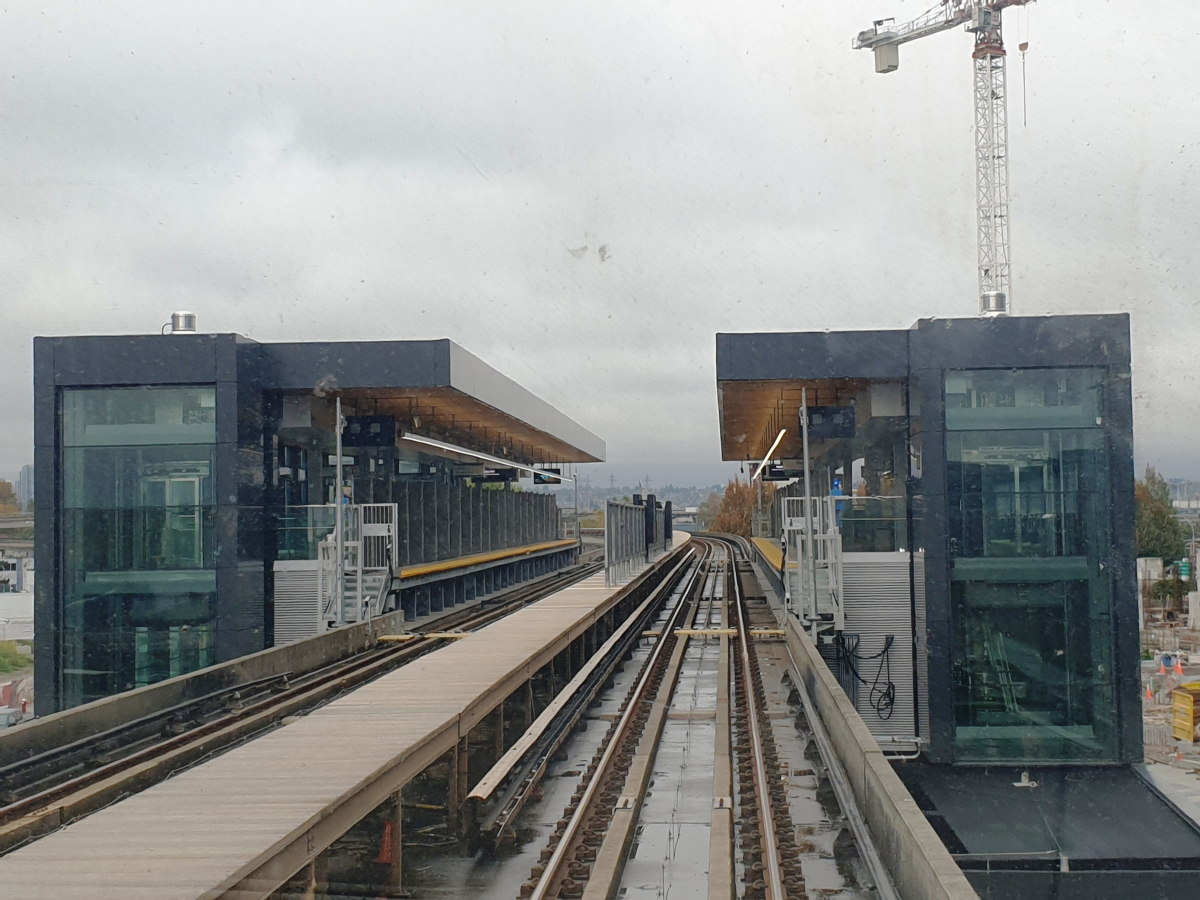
x=493, y=476
x=369, y=431
x=777, y=473
x=546, y=476
x=830, y=423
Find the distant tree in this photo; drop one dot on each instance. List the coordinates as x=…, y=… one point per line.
x=1157, y=532
x=8, y=499
x=737, y=505
x=707, y=513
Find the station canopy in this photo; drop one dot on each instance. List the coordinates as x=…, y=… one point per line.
x=762, y=380
x=438, y=390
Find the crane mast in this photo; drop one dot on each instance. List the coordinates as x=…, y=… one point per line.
x=983, y=19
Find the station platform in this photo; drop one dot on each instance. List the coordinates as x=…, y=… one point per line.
x=770, y=551
x=242, y=823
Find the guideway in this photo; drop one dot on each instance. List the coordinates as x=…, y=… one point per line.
x=243, y=823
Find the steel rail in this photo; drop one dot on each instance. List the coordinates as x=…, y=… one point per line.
x=530, y=755
x=770, y=850
x=144, y=764
x=549, y=877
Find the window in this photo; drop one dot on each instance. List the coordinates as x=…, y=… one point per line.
x=138, y=512
x=1027, y=483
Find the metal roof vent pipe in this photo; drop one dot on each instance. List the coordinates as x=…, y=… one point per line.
x=993, y=303
x=181, y=323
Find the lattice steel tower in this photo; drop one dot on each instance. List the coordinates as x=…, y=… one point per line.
x=982, y=18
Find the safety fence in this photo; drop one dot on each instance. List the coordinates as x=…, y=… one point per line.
x=434, y=522
x=633, y=533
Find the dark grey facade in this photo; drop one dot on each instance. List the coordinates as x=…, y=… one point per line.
x=172, y=472
x=1007, y=470
x=997, y=455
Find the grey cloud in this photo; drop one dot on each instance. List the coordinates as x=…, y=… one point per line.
x=295, y=171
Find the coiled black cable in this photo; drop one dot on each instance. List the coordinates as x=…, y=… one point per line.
x=882, y=698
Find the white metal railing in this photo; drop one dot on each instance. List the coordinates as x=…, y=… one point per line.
x=355, y=590
x=813, y=560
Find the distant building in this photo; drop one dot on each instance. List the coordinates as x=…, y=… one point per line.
x=25, y=487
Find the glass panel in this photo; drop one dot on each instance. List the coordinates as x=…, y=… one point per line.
x=128, y=477
x=1025, y=493
x=1028, y=529
x=300, y=529
x=1028, y=672
x=1022, y=398
x=139, y=415
x=138, y=517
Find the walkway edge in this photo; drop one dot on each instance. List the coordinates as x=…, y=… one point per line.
x=920, y=865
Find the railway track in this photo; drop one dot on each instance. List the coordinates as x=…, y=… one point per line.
x=753, y=849
x=48, y=790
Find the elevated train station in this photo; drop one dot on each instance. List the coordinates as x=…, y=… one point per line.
x=188, y=492
x=952, y=529
x=346, y=659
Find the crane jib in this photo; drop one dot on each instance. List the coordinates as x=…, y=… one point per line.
x=983, y=19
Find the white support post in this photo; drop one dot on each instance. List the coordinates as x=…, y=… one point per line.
x=809, y=563
x=339, y=524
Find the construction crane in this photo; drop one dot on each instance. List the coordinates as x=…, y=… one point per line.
x=982, y=18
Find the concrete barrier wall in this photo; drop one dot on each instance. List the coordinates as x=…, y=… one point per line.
x=57, y=729
x=920, y=865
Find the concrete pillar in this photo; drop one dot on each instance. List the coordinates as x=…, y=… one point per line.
x=528, y=704
x=397, y=820
x=459, y=761
x=498, y=730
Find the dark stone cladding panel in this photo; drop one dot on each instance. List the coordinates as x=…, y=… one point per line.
x=138, y=359
x=1021, y=342
x=1121, y=559
x=304, y=366
x=925, y=392
x=240, y=622
x=837, y=354
x=46, y=466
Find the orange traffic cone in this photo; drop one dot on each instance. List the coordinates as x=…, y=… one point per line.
x=385, y=846
x=1149, y=694
x=1162, y=670
x=1178, y=668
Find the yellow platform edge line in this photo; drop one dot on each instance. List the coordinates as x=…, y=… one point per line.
x=770, y=551
x=462, y=562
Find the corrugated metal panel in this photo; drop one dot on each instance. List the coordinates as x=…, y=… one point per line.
x=297, y=608
x=877, y=602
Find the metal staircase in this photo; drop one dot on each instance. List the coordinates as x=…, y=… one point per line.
x=814, y=560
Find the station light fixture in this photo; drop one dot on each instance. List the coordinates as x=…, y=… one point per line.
x=485, y=457
x=770, y=453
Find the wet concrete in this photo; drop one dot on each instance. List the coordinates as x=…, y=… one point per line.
x=670, y=851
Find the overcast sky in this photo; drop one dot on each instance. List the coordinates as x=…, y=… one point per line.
x=584, y=194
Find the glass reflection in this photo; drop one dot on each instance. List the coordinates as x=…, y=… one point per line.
x=138, y=516
x=1027, y=482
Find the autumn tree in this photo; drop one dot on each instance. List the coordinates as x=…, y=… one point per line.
x=737, y=504
x=707, y=514
x=1157, y=532
x=8, y=499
